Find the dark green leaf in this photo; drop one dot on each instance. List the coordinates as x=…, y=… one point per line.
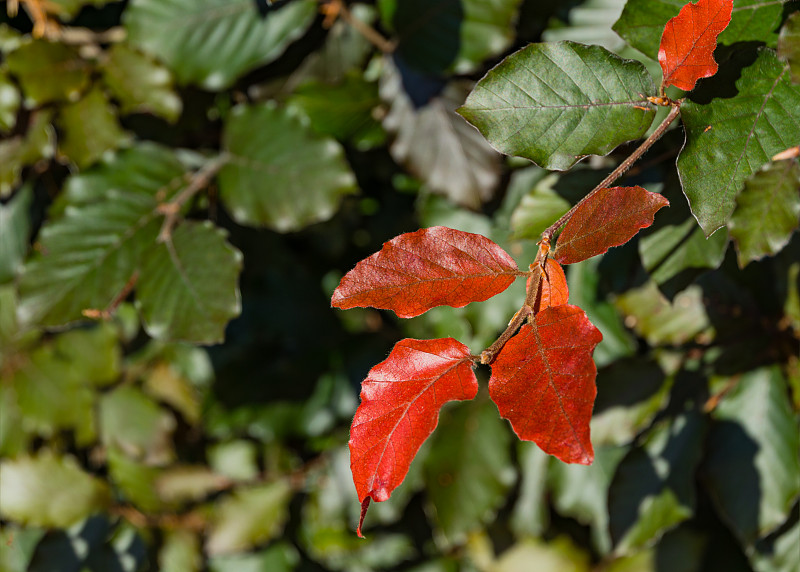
x=727, y=140
x=581, y=491
x=642, y=22
x=437, y=145
x=280, y=174
x=90, y=129
x=68, y=9
x=15, y=228
x=553, y=103
x=213, y=42
x=140, y=84
x=767, y=211
x=752, y=469
x=37, y=143
x=468, y=472
x=188, y=289
x=653, y=489
x=134, y=480
x=789, y=45
x=47, y=490
x=48, y=71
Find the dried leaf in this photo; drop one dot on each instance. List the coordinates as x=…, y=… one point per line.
x=417, y=271
x=543, y=382
x=686, y=53
x=400, y=403
x=609, y=218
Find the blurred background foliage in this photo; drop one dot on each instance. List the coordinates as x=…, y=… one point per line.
x=176, y=395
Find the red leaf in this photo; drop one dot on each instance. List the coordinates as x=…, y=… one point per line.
x=686, y=53
x=543, y=382
x=417, y=271
x=400, y=403
x=609, y=218
x=553, y=289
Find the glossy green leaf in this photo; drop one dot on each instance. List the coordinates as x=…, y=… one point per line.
x=136, y=424
x=653, y=489
x=767, y=211
x=468, y=472
x=553, y=103
x=213, y=42
x=48, y=71
x=248, y=517
x=280, y=174
x=46, y=490
x=88, y=255
x=581, y=492
x=437, y=36
x=660, y=321
x=188, y=289
x=752, y=469
x=642, y=22
x=10, y=100
x=729, y=139
x=789, y=45
x=90, y=129
x=15, y=228
x=140, y=84
x=436, y=145
x=19, y=151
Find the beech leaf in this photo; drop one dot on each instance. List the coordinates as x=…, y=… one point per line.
x=611, y=217
x=543, y=382
x=400, y=403
x=686, y=53
x=435, y=266
x=553, y=290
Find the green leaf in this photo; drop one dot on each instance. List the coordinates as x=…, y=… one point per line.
x=767, y=211
x=22, y=150
x=188, y=289
x=9, y=103
x=436, y=145
x=560, y=555
x=343, y=111
x=248, y=517
x=727, y=140
x=280, y=557
x=438, y=36
x=653, y=489
x=581, y=491
x=180, y=552
x=590, y=23
x=48, y=71
x=46, y=490
x=185, y=483
x=468, y=471
x=660, y=321
x=134, y=480
x=642, y=22
x=68, y=9
x=90, y=129
x=213, y=42
x=539, y=208
x=752, y=469
x=15, y=229
x=140, y=84
x=137, y=425
x=17, y=546
x=530, y=516
x=778, y=553
x=552, y=103
x=89, y=254
x=280, y=174
x=789, y=45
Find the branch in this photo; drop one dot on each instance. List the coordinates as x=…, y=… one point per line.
x=200, y=180
x=620, y=170
x=371, y=34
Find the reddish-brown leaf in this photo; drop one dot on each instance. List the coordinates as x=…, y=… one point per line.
x=543, y=381
x=609, y=218
x=686, y=53
x=400, y=403
x=553, y=288
x=435, y=266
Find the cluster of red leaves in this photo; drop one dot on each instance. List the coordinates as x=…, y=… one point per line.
x=543, y=376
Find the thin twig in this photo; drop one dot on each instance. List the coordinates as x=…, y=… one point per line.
x=371, y=34
x=106, y=314
x=619, y=171
x=200, y=180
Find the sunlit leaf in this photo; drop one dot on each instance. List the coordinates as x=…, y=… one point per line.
x=553, y=103
x=10, y=100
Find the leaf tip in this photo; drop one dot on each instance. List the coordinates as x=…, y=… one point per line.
x=364, y=507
